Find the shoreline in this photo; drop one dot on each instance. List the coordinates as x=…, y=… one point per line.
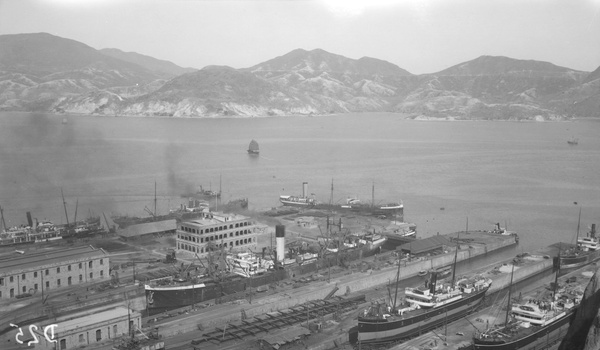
x=401, y=115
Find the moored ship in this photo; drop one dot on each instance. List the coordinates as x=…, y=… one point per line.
x=424, y=308
x=298, y=201
x=585, y=252
x=534, y=323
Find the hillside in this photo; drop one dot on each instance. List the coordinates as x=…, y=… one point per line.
x=162, y=68
x=47, y=73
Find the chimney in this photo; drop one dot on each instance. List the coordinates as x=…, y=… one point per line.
x=29, y=221
x=280, y=240
x=305, y=189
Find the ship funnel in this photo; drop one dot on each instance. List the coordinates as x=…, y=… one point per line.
x=29, y=221
x=593, y=231
x=305, y=189
x=280, y=240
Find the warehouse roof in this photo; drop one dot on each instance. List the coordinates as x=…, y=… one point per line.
x=92, y=319
x=425, y=245
x=148, y=228
x=34, y=260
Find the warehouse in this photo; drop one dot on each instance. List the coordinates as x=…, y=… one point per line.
x=38, y=271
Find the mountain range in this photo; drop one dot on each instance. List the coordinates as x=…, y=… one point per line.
x=42, y=72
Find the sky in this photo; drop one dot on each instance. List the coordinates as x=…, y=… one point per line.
x=421, y=36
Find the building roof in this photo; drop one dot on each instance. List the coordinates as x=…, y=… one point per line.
x=148, y=228
x=89, y=320
x=215, y=218
x=424, y=245
x=36, y=260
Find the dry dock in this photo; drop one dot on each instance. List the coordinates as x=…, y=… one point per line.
x=459, y=333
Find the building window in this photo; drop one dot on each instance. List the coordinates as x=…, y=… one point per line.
x=63, y=344
x=69, y=267
x=35, y=274
x=80, y=267
x=48, y=284
x=47, y=272
x=80, y=278
x=0, y=294
x=58, y=270
x=101, y=272
x=35, y=286
x=115, y=330
x=1, y=281
x=11, y=278
x=101, y=261
x=81, y=338
x=90, y=264
x=22, y=277
x=99, y=335
x=24, y=289
x=91, y=275
x=58, y=282
x=69, y=280
x=12, y=292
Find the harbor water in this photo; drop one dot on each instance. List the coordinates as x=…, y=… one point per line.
x=523, y=175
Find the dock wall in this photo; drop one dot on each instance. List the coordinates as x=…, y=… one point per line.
x=352, y=282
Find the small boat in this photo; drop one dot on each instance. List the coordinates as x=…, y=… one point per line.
x=573, y=141
x=253, y=148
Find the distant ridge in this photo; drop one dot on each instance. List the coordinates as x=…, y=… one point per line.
x=163, y=68
x=42, y=72
x=497, y=65
x=319, y=60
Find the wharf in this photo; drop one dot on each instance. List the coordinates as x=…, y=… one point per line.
x=345, y=283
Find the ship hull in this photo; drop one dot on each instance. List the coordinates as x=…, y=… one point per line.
x=296, y=204
x=381, y=331
x=541, y=338
x=572, y=262
x=175, y=297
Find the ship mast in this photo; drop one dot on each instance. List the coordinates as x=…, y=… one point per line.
x=65, y=205
x=373, y=195
x=154, y=200
x=397, y=280
x=3, y=223
x=577, y=237
x=509, y=295
x=456, y=255
x=331, y=196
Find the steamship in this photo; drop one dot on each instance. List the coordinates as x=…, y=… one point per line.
x=390, y=209
x=424, y=308
x=237, y=273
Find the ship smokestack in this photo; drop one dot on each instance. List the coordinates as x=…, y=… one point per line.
x=29, y=221
x=280, y=240
x=593, y=231
x=305, y=189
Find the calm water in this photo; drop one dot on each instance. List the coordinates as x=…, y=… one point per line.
x=524, y=175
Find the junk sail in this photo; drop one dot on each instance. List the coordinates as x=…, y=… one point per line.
x=253, y=147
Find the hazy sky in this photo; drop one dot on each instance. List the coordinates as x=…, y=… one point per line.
x=421, y=36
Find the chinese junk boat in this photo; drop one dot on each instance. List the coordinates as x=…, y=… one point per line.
x=253, y=148
x=424, y=308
